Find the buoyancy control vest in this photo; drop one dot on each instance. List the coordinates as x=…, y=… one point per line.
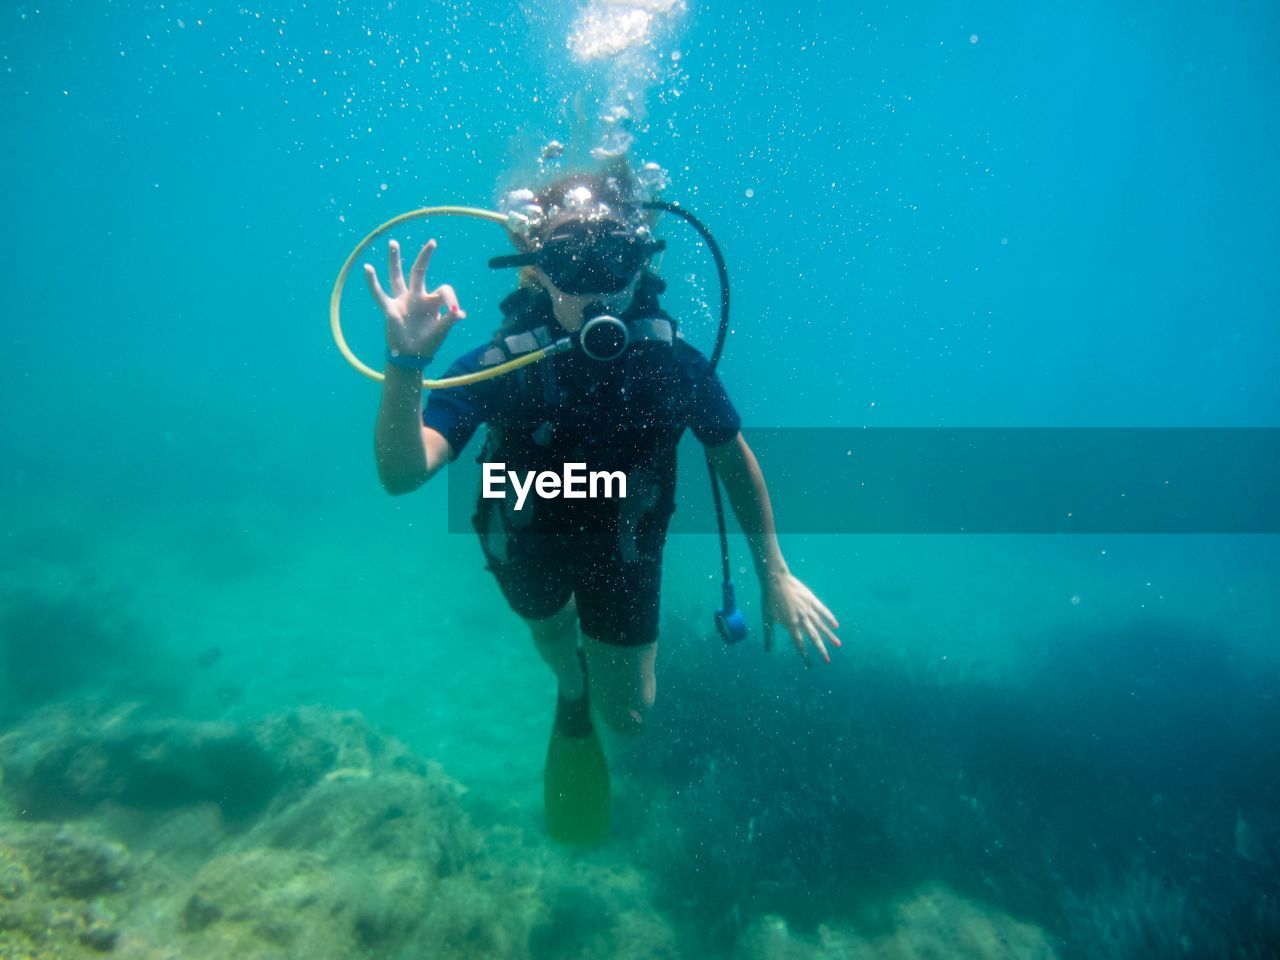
x=627, y=414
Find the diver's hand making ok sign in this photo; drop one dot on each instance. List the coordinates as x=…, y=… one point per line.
x=418, y=320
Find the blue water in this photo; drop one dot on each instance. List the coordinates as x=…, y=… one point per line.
x=974, y=215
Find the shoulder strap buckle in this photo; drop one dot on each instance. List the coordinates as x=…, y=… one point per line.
x=652, y=330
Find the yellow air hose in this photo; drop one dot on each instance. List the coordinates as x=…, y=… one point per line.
x=335, y=302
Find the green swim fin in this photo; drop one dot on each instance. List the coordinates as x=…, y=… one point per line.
x=576, y=783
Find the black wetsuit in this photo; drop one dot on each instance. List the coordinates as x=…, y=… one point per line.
x=625, y=415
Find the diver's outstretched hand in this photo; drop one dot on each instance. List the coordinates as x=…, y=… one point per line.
x=418, y=320
x=806, y=618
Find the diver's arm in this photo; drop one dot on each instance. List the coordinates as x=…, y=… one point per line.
x=786, y=599
x=749, y=496
x=408, y=454
x=417, y=320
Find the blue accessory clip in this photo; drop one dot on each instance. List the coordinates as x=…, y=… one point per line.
x=729, y=620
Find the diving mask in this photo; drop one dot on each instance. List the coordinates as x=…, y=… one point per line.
x=588, y=256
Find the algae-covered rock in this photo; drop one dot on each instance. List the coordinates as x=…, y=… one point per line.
x=342, y=844
x=769, y=938
x=395, y=816
x=309, y=743
x=931, y=923
x=578, y=923
x=583, y=907
x=14, y=875
x=55, y=768
x=355, y=868
x=71, y=863
x=51, y=882
x=60, y=773
x=257, y=903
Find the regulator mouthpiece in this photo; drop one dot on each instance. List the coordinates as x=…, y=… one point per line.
x=604, y=337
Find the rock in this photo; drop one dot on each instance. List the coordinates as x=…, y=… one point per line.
x=149, y=765
x=14, y=876
x=59, y=769
x=71, y=863
x=99, y=936
x=199, y=913
x=395, y=816
x=244, y=903
x=347, y=846
x=578, y=923
x=932, y=922
x=51, y=900
x=311, y=742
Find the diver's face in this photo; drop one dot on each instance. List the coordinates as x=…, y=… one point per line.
x=600, y=264
x=569, y=307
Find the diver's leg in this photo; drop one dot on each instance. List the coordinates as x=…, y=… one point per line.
x=617, y=591
x=576, y=792
x=556, y=640
x=623, y=684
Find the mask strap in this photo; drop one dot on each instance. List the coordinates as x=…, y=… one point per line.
x=514, y=260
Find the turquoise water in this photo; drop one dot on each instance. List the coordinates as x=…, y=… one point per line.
x=975, y=215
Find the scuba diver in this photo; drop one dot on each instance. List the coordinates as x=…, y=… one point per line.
x=616, y=391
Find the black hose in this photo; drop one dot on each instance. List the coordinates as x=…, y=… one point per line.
x=724, y=534
x=721, y=335
x=721, y=270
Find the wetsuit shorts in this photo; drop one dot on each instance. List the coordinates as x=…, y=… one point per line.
x=617, y=599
